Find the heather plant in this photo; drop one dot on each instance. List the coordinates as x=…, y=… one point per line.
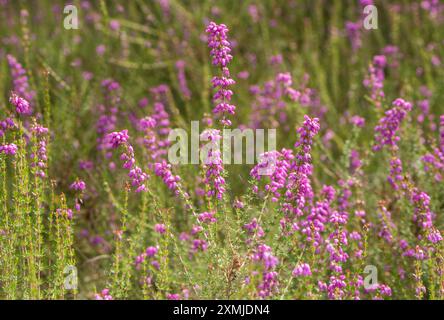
x=349, y=203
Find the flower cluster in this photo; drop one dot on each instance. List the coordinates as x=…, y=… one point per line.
x=103, y=295
x=353, y=30
x=269, y=108
x=220, y=51
x=195, y=240
x=160, y=228
x=434, y=161
x=375, y=79
x=149, y=253
x=269, y=282
x=254, y=230
x=147, y=125
x=302, y=270
x=79, y=186
x=20, y=82
x=21, y=105
x=385, y=131
x=40, y=157
x=180, y=66
x=275, y=165
x=163, y=170
x=157, y=126
x=107, y=113
x=441, y=132
x=138, y=177
x=213, y=165
x=316, y=220
x=5, y=125
x=387, y=224
x=9, y=149
x=396, y=176
x=207, y=217
x=66, y=213
x=298, y=186
x=117, y=139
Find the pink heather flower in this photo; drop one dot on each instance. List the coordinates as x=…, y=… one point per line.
x=67, y=213
x=396, y=175
x=365, y=2
x=375, y=79
x=434, y=161
x=328, y=192
x=213, y=165
x=118, y=138
x=253, y=11
x=317, y=218
x=441, y=132
x=298, y=186
x=165, y=6
x=358, y=121
x=21, y=105
x=196, y=229
x=100, y=49
x=163, y=170
x=355, y=161
x=150, y=141
x=276, y=59
x=87, y=75
x=269, y=283
x=207, y=217
x=180, y=66
x=353, y=30
x=387, y=225
x=86, y=165
x=302, y=269
x=393, y=54
x=8, y=149
x=385, y=290
x=5, y=125
x=306, y=133
x=41, y=158
x=422, y=211
x=269, y=107
x=143, y=102
x=173, y=296
x=434, y=236
x=263, y=253
x=39, y=130
x=238, y=204
x=160, y=228
x=322, y=286
x=336, y=287
x=217, y=41
x=114, y=25
x=243, y=75
x=78, y=185
x=285, y=79
x=157, y=131
x=138, y=177
x=103, y=295
x=20, y=82
x=220, y=51
x=274, y=165
x=198, y=244
x=151, y=251
x=385, y=131
x=254, y=229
